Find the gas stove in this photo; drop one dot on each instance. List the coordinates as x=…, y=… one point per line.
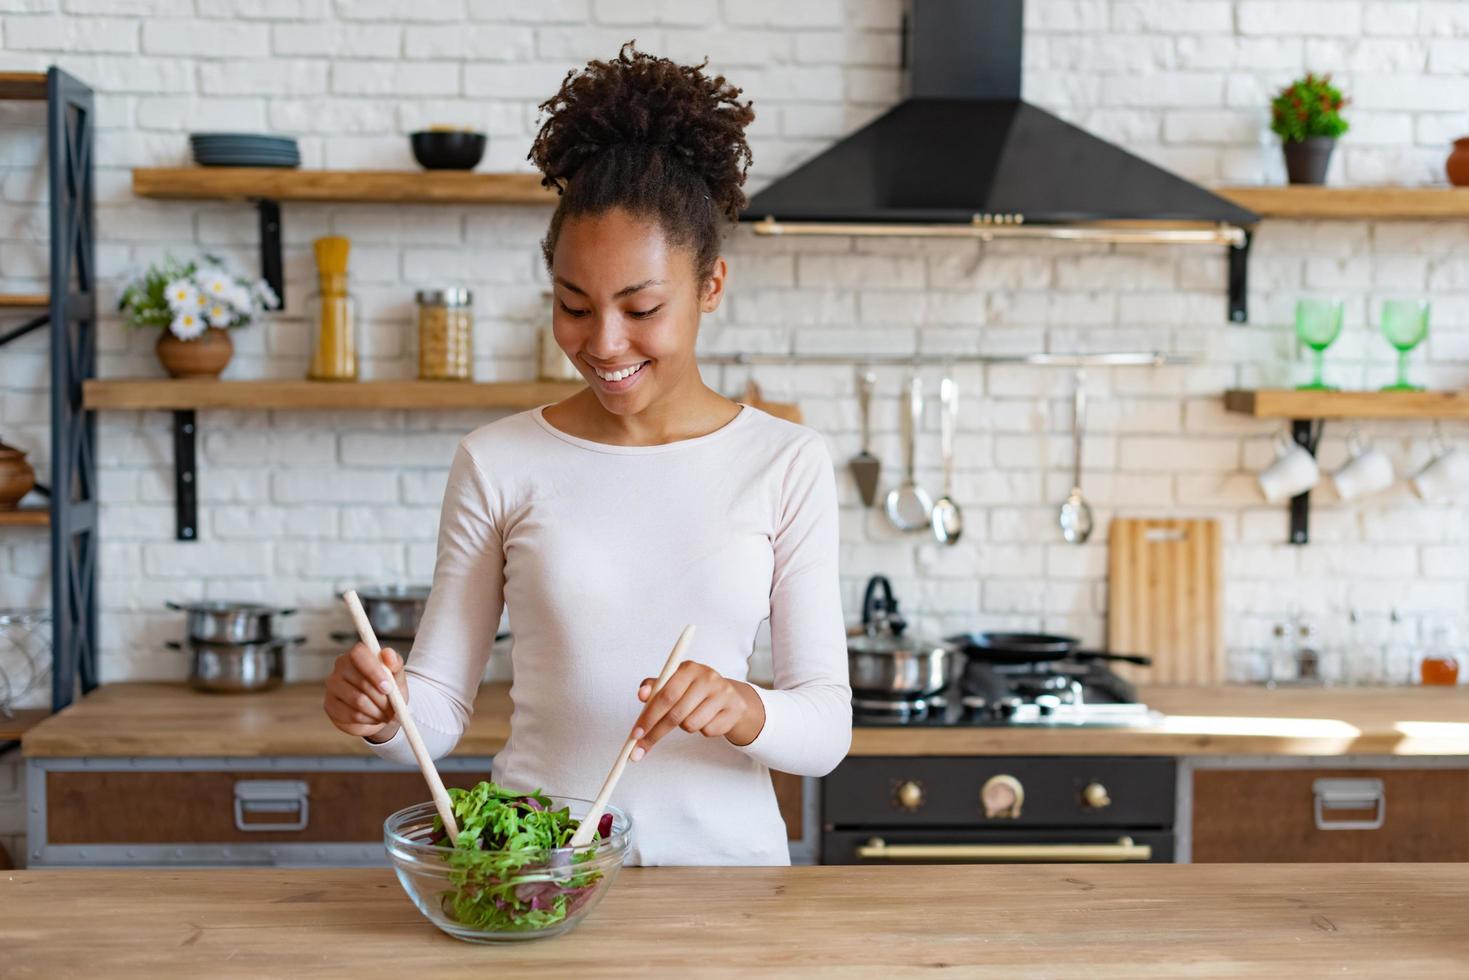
x=1063, y=693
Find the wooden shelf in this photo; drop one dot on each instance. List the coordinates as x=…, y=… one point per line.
x=1352, y=203
x=25, y=517
x=384, y=186
x=11, y=729
x=24, y=301
x=1286, y=403
x=164, y=393
x=29, y=85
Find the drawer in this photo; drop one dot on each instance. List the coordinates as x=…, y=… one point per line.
x=212, y=806
x=258, y=807
x=1288, y=815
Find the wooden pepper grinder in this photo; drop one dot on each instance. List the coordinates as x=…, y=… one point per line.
x=333, y=314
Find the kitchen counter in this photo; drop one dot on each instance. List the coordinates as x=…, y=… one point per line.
x=1136, y=921
x=170, y=720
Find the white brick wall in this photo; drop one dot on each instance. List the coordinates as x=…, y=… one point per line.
x=296, y=505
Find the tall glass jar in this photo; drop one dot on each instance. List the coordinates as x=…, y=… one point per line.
x=445, y=334
x=333, y=314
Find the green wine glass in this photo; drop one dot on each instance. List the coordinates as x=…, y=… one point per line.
x=1318, y=323
x=1404, y=324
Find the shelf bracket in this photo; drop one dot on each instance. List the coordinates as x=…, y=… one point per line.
x=270, y=248
x=185, y=476
x=1239, y=279
x=35, y=323
x=1308, y=436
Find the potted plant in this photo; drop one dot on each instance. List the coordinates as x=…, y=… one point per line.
x=194, y=304
x=1306, y=115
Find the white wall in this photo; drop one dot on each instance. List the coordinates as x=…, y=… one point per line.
x=296, y=505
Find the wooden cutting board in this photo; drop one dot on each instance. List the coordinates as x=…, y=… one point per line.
x=1165, y=598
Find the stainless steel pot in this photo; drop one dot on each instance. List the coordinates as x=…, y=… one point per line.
x=885, y=664
x=224, y=621
x=394, y=610
x=236, y=667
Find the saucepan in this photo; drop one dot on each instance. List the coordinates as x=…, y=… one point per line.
x=227, y=621
x=884, y=663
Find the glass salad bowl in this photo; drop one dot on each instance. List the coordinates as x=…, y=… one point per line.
x=508, y=895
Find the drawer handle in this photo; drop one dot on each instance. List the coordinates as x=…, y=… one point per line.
x=1124, y=849
x=1349, y=794
x=253, y=796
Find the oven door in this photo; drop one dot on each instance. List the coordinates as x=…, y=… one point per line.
x=886, y=845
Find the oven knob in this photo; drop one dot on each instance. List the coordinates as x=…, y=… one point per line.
x=1095, y=797
x=909, y=796
x=1001, y=796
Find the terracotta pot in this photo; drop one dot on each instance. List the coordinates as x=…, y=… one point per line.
x=16, y=476
x=1458, y=163
x=203, y=357
x=1306, y=161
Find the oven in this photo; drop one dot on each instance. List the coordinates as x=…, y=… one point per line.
x=999, y=810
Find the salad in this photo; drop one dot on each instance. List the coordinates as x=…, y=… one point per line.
x=505, y=867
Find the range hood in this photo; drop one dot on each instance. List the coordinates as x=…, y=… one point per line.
x=964, y=156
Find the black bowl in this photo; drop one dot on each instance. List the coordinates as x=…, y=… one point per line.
x=448, y=149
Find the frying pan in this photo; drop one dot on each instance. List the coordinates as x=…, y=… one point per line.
x=1031, y=648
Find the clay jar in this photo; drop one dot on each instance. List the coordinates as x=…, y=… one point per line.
x=203, y=357
x=1457, y=166
x=16, y=476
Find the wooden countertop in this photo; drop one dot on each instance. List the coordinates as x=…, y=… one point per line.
x=1136, y=921
x=170, y=720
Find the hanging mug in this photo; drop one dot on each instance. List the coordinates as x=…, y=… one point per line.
x=1293, y=472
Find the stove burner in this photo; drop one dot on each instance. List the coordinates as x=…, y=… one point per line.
x=1056, y=694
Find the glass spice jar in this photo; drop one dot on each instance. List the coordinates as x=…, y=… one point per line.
x=445, y=334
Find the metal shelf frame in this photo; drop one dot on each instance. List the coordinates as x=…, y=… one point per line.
x=72, y=317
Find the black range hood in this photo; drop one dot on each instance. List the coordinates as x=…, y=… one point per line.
x=964, y=156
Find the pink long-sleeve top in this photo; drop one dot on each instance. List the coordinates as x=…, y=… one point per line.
x=602, y=554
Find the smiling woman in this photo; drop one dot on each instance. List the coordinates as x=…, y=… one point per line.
x=648, y=501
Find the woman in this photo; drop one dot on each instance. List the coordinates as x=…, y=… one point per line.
x=607, y=522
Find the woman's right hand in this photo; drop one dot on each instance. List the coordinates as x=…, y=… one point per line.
x=356, y=701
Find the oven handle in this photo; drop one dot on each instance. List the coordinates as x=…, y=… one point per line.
x=1124, y=849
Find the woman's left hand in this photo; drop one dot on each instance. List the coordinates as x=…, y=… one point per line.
x=697, y=698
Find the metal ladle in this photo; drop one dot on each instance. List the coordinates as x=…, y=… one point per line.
x=1076, y=513
x=908, y=505
x=947, y=519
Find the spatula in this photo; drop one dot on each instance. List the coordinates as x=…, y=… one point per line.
x=865, y=467
x=410, y=730
x=588, y=827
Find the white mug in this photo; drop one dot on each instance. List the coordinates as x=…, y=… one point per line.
x=1445, y=476
x=1293, y=472
x=1366, y=471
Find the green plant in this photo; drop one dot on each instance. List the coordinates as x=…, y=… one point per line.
x=1309, y=106
x=188, y=297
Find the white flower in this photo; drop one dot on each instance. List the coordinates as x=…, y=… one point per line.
x=187, y=325
x=181, y=295
x=266, y=295
x=239, y=297
x=219, y=315
x=214, y=283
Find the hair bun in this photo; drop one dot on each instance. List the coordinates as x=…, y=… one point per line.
x=643, y=101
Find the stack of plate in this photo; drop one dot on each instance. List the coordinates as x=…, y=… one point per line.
x=244, y=150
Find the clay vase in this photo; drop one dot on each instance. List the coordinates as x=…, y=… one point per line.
x=1306, y=161
x=203, y=357
x=1457, y=166
x=16, y=476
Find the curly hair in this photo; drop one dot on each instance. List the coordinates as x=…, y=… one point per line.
x=658, y=139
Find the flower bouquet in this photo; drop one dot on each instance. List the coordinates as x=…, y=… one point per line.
x=194, y=304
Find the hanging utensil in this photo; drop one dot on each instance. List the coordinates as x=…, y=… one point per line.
x=908, y=506
x=865, y=467
x=947, y=520
x=1076, y=513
